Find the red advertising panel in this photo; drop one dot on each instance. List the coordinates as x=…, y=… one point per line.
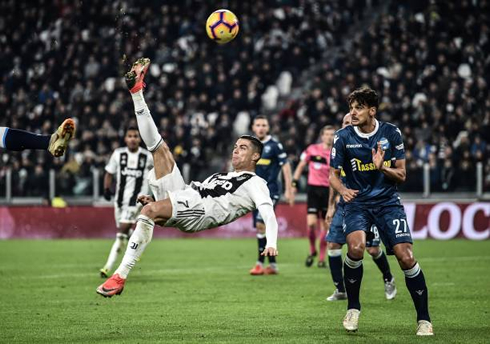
x=443, y=221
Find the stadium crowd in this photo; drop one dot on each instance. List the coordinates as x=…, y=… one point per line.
x=65, y=59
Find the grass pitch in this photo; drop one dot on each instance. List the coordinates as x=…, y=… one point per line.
x=199, y=291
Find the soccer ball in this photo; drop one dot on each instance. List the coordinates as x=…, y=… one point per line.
x=222, y=26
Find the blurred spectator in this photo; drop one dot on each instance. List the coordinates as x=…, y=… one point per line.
x=295, y=61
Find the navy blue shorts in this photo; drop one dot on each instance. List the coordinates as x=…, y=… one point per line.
x=336, y=231
x=256, y=216
x=390, y=220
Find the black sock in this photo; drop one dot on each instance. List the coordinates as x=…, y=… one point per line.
x=262, y=242
x=415, y=280
x=272, y=259
x=383, y=265
x=353, y=271
x=17, y=140
x=336, y=271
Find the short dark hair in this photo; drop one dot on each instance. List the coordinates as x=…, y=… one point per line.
x=327, y=127
x=364, y=96
x=131, y=128
x=260, y=117
x=256, y=143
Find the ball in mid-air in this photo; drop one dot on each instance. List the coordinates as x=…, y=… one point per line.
x=222, y=26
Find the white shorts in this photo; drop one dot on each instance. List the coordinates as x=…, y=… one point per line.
x=170, y=182
x=126, y=214
x=188, y=212
x=187, y=206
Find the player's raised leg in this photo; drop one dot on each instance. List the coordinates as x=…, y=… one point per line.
x=56, y=144
x=164, y=168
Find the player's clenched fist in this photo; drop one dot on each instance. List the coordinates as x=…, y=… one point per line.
x=145, y=199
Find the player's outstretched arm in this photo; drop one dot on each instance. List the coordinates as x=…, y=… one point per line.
x=288, y=193
x=347, y=194
x=267, y=212
x=398, y=173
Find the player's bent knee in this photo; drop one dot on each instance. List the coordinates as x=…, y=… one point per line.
x=333, y=246
x=373, y=251
x=406, y=261
x=356, y=250
x=149, y=210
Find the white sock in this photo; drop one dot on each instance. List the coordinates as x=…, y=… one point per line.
x=116, y=248
x=148, y=130
x=137, y=243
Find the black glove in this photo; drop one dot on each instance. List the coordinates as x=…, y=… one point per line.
x=107, y=194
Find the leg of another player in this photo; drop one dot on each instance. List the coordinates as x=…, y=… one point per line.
x=323, y=242
x=272, y=269
x=18, y=140
x=353, y=272
x=381, y=261
x=335, y=263
x=117, y=246
x=258, y=269
x=311, y=223
x=56, y=144
x=415, y=281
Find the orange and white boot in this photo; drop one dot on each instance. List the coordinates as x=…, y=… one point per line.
x=113, y=286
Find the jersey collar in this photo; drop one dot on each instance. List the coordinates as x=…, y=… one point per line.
x=267, y=138
x=367, y=135
x=138, y=151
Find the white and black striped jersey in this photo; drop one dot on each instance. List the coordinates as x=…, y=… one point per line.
x=227, y=196
x=132, y=174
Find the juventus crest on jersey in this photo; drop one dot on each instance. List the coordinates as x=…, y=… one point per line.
x=132, y=174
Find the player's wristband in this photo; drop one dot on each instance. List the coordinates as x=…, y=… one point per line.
x=294, y=183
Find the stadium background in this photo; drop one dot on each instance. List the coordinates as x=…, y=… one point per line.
x=294, y=61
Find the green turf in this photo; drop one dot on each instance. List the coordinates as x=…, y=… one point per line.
x=199, y=291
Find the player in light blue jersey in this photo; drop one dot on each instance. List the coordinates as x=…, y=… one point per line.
x=372, y=155
x=271, y=163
